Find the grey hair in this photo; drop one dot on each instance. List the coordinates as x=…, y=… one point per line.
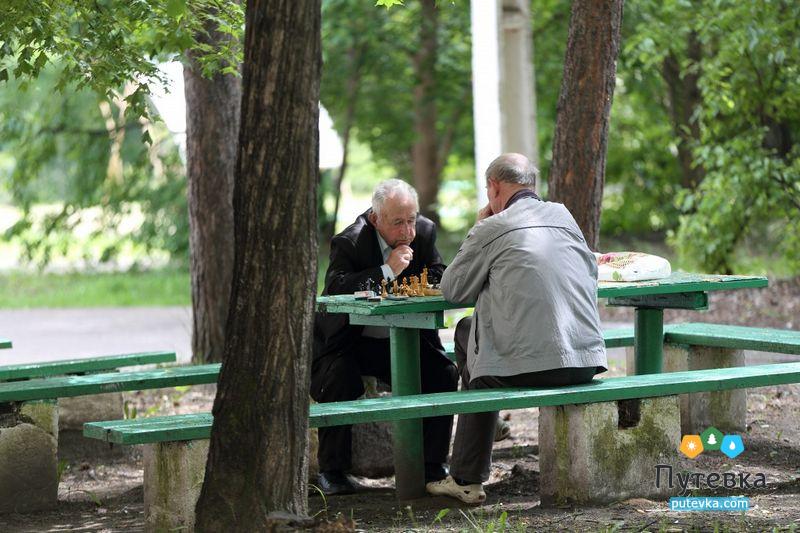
x=513, y=168
x=389, y=189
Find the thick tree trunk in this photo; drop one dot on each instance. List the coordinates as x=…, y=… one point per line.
x=424, y=153
x=684, y=100
x=257, y=464
x=212, y=132
x=577, y=172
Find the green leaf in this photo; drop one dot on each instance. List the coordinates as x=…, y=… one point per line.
x=176, y=8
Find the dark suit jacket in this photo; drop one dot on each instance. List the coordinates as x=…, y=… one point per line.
x=356, y=258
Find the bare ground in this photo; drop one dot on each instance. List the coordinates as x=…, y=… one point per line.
x=103, y=491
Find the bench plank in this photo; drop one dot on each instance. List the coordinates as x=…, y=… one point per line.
x=737, y=337
x=4, y=343
x=79, y=366
x=68, y=386
x=198, y=426
x=614, y=338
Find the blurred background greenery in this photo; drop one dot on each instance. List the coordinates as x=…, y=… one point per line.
x=703, y=163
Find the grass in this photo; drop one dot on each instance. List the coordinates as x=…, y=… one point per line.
x=24, y=290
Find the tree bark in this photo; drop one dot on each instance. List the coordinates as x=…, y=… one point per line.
x=424, y=152
x=257, y=466
x=580, y=140
x=684, y=99
x=212, y=132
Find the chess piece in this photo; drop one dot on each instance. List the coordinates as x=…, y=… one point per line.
x=395, y=288
x=384, y=294
x=424, y=279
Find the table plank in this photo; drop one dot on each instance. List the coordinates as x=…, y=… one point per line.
x=678, y=282
x=4, y=343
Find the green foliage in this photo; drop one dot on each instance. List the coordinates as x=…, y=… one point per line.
x=74, y=117
x=376, y=48
x=749, y=119
x=103, y=45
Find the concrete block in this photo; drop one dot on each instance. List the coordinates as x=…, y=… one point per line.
x=74, y=412
x=28, y=467
x=173, y=478
x=586, y=457
x=725, y=410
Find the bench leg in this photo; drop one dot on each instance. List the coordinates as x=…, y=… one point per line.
x=585, y=457
x=173, y=477
x=724, y=410
x=28, y=456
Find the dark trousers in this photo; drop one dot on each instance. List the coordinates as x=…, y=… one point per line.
x=472, y=447
x=337, y=378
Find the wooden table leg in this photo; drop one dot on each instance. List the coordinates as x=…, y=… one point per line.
x=409, y=459
x=648, y=341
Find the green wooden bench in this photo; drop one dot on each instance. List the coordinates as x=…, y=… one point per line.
x=82, y=366
x=69, y=386
x=736, y=337
x=589, y=415
x=30, y=413
x=4, y=343
x=614, y=338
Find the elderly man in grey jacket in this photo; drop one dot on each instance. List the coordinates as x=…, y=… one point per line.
x=534, y=280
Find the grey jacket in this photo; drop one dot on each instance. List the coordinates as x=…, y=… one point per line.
x=534, y=281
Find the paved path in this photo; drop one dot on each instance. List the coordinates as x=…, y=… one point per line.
x=51, y=334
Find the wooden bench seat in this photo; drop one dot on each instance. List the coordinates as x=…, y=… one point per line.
x=69, y=386
x=614, y=338
x=198, y=426
x=736, y=337
x=82, y=365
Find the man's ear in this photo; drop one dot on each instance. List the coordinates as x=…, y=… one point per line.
x=373, y=218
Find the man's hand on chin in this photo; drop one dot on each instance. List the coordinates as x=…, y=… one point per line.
x=400, y=258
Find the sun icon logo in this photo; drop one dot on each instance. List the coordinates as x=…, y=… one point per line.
x=691, y=446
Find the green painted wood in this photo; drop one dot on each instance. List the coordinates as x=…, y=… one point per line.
x=610, y=389
x=433, y=320
x=80, y=366
x=677, y=282
x=680, y=282
x=344, y=303
x=736, y=337
x=4, y=343
x=648, y=344
x=407, y=434
x=68, y=386
x=614, y=338
x=618, y=337
x=697, y=301
x=139, y=431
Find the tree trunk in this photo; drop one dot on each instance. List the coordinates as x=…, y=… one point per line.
x=257, y=464
x=212, y=132
x=684, y=99
x=577, y=172
x=424, y=152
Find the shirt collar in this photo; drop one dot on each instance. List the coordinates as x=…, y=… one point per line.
x=522, y=193
x=381, y=243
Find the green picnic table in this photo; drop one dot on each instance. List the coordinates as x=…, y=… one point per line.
x=405, y=318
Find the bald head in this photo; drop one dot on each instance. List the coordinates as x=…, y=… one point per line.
x=513, y=168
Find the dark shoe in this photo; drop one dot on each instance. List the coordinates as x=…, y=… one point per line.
x=335, y=482
x=435, y=472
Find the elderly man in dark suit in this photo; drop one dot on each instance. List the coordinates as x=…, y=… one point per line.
x=389, y=241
